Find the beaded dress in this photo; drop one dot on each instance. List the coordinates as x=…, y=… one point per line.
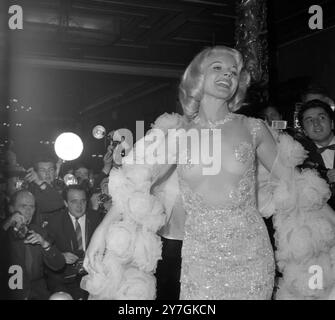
x=226, y=250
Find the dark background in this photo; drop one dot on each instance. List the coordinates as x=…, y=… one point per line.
x=77, y=64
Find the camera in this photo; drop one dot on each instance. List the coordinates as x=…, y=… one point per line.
x=59, y=184
x=79, y=265
x=21, y=232
x=115, y=143
x=21, y=182
x=80, y=268
x=18, y=225
x=104, y=198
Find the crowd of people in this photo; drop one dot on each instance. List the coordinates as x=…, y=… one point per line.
x=47, y=225
x=215, y=244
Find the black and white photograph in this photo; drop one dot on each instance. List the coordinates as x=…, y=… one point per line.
x=180, y=152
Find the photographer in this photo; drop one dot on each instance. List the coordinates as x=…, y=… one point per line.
x=101, y=201
x=317, y=121
x=42, y=185
x=72, y=230
x=26, y=246
x=104, y=173
x=82, y=174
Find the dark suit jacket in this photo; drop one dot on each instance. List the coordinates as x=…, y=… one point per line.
x=102, y=175
x=62, y=232
x=315, y=161
x=48, y=201
x=32, y=259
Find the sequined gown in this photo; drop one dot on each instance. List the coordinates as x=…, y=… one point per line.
x=226, y=250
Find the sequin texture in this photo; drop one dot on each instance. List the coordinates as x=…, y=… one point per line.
x=243, y=152
x=226, y=250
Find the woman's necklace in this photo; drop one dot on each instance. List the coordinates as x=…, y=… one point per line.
x=213, y=124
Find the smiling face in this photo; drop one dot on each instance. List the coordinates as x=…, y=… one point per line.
x=221, y=75
x=318, y=125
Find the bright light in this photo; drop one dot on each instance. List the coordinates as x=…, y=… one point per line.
x=98, y=132
x=68, y=146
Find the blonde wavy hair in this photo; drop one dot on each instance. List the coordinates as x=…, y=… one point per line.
x=192, y=82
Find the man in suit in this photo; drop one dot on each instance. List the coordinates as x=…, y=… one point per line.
x=71, y=231
x=317, y=122
x=25, y=246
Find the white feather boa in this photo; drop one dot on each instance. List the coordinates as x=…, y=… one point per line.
x=304, y=226
x=132, y=247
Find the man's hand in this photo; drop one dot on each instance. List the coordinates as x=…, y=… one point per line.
x=32, y=176
x=331, y=175
x=108, y=162
x=95, y=201
x=70, y=258
x=35, y=238
x=108, y=204
x=16, y=219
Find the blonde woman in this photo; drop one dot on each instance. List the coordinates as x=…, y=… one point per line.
x=226, y=250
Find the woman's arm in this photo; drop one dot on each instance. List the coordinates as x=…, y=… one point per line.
x=268, y=153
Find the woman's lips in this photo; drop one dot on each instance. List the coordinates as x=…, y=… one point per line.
x=223, y=83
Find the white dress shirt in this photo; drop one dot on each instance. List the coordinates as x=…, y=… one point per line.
x=328, y=155
x=82, y=223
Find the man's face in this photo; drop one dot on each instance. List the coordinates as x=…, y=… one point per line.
x=76, y=202
x=317, y=125
x=82, y=174
x=46, y=171
x=25, y=204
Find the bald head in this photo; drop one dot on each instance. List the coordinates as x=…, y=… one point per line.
x=23, y=201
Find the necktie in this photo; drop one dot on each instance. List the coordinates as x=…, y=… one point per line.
x=322, y=149
x=79, y=235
